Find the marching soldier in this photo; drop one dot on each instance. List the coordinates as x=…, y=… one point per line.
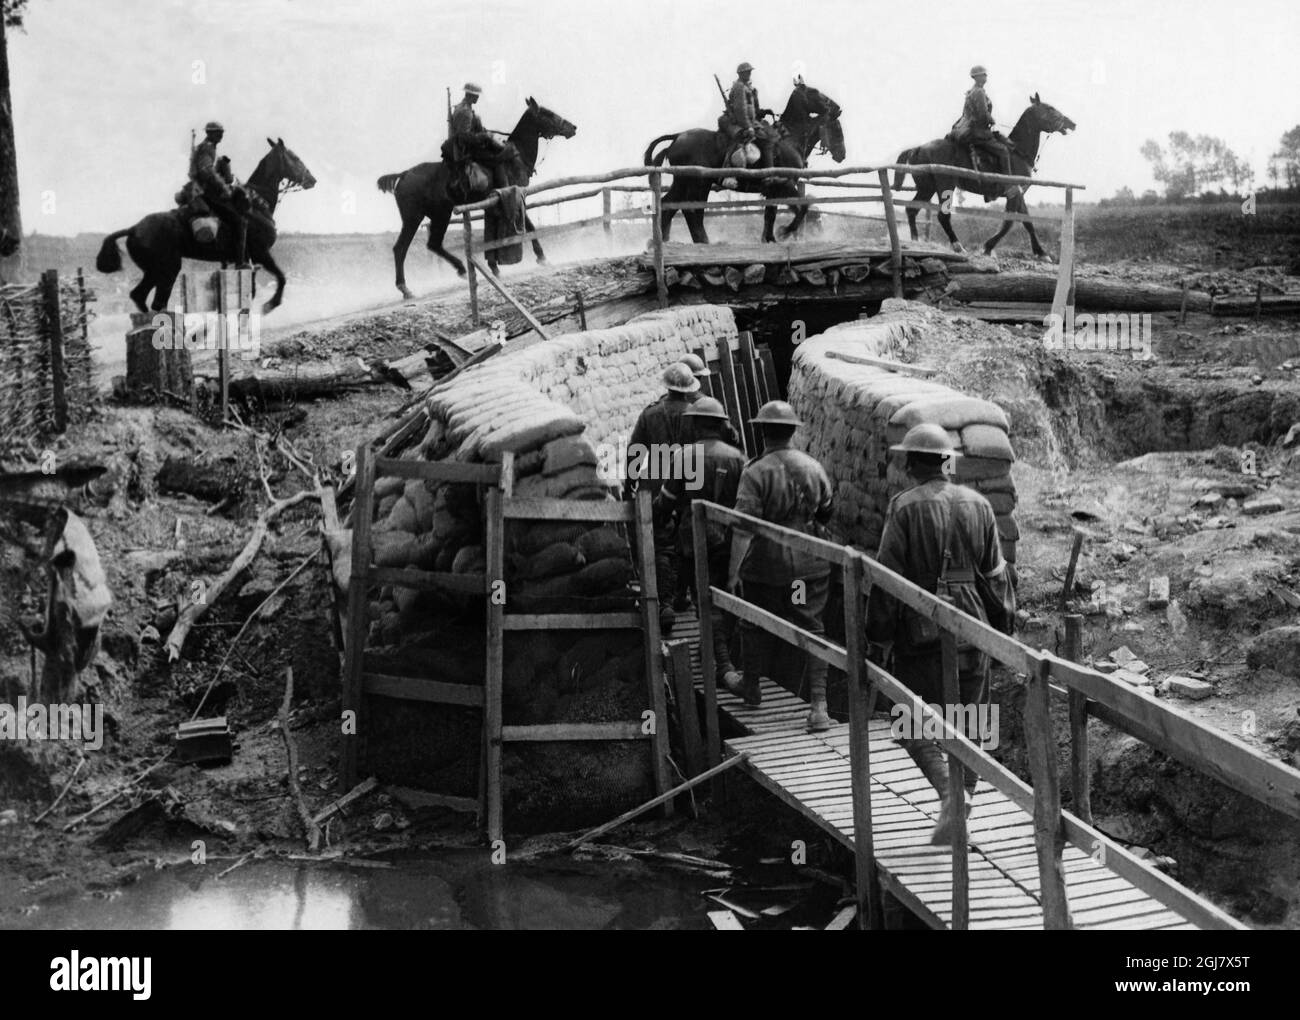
x=658, y=432
x=938, y=531
x=719, y=466
x=787, y=487
x=746, y=114
x=975, y=126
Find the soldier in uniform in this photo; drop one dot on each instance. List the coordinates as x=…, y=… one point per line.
x=209, y=188
x=745, y=114
x=975, y=127
x=937, y=529
x=719, y=466
x=658, y=432
x=468, y=141
x=787, y=487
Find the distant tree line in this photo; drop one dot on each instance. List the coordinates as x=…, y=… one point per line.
x=1203, y=167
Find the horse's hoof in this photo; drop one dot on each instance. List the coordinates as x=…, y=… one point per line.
x=958, y=248
x=541, y=261
x=406, y=293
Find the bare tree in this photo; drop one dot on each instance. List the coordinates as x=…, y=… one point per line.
x=11, y=225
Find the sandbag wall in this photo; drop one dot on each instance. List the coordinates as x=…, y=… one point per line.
x=559, y=407
x=855, y=412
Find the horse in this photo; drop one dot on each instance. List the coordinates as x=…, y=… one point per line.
x=1038, y=119
x=422, y=191
x=810, y=119
x=159, y=241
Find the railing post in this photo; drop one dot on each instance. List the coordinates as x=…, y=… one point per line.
x=1064, y=294
x=606, y=216
x=954, y=709
x=708, y=667
x=870, y=908
x=1080, y=781
x=469, y=268
x=1048, y=835
x=54, y=336
x=891, y=223
x=657, y=236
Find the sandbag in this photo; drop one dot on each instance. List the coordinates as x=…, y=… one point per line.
x=561, y=454
x=603, y=544
x=417, y=494
x=895, y=433
x=557, y=558
x=1001, y=502
x=952, y=412
x=544, y=486
x=393, y=548
x=890, y=404
x=529, y=539
x=969, y=469
x=388, y=485
x=446, y=557
x=525, y=437
x=599, y=578
x=400, y=518
x=987, y=441
x=383, y=507
x=339, y=543
x=1008, y=530
x=470, y=559
x=1008, y=550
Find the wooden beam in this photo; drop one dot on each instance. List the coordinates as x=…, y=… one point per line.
x=494, y=540
x=653, y=648
x=708, y=665
x=657, y=238
x=54, y=344
x=500, y=287
x=572, y=621
x=956, y=793
x=548, y=732
x=1080, y=779
x=813, y=644
x=679, y=654
x=870, y=910
x=1065, y=271
x=891, y=224
x=412, y=688
x=357, y=619
x=902, y=368
x=831, y=552
x=544, y=509
x=438, y=470
x=1048, y=834
x=471, y=272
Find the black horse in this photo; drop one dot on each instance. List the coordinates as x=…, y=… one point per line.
x=810, y=118
x=159, y=241
x=1039, y=118
x=422, y=190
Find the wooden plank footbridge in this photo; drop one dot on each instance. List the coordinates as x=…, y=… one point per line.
x=1021, y=861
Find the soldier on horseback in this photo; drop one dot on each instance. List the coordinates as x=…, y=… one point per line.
x=211, y=190
x=744, y=116
x=975, y=129
x=468, y=146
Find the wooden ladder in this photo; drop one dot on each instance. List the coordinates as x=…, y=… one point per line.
x=503, y=507
x=358, y=684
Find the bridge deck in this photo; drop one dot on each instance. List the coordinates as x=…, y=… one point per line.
x=800, y=254
x=810, y=773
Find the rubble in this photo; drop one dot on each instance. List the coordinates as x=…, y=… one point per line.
x=1186, y=687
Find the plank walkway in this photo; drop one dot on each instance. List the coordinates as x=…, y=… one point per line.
x=810, y=773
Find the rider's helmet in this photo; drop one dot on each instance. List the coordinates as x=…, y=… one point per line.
x=472, y=89
x=977, y=70
x=214, y=125
x=746, y=66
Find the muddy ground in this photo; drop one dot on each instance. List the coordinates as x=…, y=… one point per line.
x=1132, y=453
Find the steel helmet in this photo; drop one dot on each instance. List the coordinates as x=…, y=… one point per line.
x=472, y=89
x=706, y=407
x=977, y=70
x=746, y=66
x=678, y=378
x=926, y=438
x=776, y=412
x=698, y=368
x=214, y=125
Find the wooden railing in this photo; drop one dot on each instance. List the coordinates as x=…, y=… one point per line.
x=877, y=180
x=1165, y=727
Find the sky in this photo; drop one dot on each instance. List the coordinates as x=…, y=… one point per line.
x=106, y=92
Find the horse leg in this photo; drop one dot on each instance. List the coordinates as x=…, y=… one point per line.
x=400, y=248
x=1003, y=230
x=769, y=222
x=438, y=220
x=537, y=244
x=922, y=195
x=263, y=258
x=141, y=290
x=1023, y=208
x=165, y=278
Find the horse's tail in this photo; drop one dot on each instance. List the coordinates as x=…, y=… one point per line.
x=650, y=159
x=109, y=259
x=388, y=183
x=903, y=157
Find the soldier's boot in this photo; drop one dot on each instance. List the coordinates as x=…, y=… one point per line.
x=745, y=686
x=934, y=766
x=819, y=720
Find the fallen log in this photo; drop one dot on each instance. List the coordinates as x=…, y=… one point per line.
x=310, y=829
x=1286, y=304
x=1091, y=294
x=308, y=379
x=209, y=480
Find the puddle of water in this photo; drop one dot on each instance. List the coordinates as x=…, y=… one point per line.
x=449, y=892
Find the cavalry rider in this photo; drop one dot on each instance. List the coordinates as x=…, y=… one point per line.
x=745, y=114
x=975, y=127
x=212, y=187
x=468, y=141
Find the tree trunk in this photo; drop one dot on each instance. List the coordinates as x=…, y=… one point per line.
x=11, y=225
x=1090, y=294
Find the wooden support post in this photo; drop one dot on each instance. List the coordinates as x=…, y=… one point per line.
x=1065, y=273
x=654, y=653
x=83, y=298
x=679, y=654
x=1068, y=587
x=708, y=667
x=891, y=224
x=731, y=399
x=223, y=349
x=870, y=908
x=956, y=789
x=929, y=221
x=1049, y=837
x=582, y=311
x=54, y=335
x=750, y=371
x=496, y=596
x=357, y=622
x=606, y=217
x=471, y=273
x=657, y=237
x=501, y=289
x=1080, y=780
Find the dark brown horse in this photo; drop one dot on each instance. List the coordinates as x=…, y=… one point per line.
x=422, y=190
x=159, y=241
x=810, y=119
x=1038, y=119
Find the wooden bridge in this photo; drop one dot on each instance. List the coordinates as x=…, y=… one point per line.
x=1021, y=861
